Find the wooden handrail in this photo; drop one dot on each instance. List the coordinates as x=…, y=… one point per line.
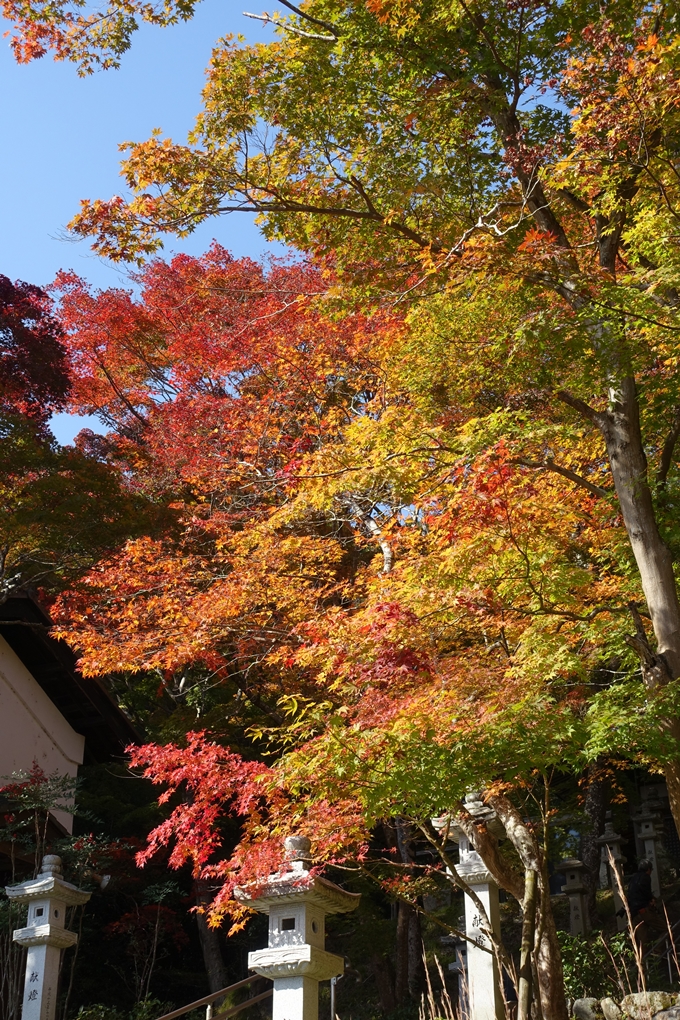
x=207, y=999
x=243, y=1005
x=664, y=937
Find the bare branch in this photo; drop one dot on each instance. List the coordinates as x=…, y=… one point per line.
x=268, y=20
x=308, y=17
x=574, y=200
x=596, y=417
x=549, y=465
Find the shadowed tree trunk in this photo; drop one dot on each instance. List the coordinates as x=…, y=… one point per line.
x=383, y=975
x=594, y=807
x=210, y=941
x=416, y=966
x=411, y=980
x=401, y=989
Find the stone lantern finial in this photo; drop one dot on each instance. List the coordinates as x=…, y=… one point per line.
x=297, y=851
x=297, y=847
x=51, y=865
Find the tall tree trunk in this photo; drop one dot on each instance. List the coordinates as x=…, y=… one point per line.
x=384, y=981
x=594, y=807
x=527, y=947
x=210, y=942
x=548, y=959
x=412, y=979
x=404, y=912
x=620, y=429
x=653, y=557
x=547, y=955
x=416, y=966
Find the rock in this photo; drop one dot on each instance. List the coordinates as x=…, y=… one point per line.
x=669, y=1014
x=642, y=1005
x=586, y=1009
x=610, y=1011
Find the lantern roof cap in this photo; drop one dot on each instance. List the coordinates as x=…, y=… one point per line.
x=295, y=886
x=48, y=884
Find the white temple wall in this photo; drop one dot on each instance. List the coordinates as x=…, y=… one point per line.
x=32, y=728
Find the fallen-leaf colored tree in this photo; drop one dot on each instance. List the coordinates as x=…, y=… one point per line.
x=402, y=604
x=490, y=150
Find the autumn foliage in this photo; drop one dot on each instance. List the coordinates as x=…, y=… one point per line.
x=419, y=488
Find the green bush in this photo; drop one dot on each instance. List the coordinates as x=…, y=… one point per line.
x=588, y=967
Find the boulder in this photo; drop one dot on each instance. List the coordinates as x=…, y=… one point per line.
x=642, y=1005
x=586, y=1009
x=610, y=1011
x=669, y=1014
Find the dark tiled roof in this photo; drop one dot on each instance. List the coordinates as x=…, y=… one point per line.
x=84, y=703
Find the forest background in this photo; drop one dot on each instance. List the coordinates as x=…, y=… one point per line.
x=397, y=520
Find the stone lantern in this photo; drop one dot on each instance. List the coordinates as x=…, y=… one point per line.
x=611, y=867
x=648, y=831
x=575, y=888
x=295, y=959
x=45, y=934
x=484, y=985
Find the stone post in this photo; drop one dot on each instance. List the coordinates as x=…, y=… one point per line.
x=610, y=844
x=576, y=890
x=483, y=976
x=47, y=897
x=295, y=959
x=648, y=831
x=484, y=988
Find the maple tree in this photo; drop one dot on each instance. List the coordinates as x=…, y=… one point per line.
x=217, y=380
x=466, y=172
x=61, y=507
x=398, y=606
x=525, y=152
x=508, y=172
x=34, y=379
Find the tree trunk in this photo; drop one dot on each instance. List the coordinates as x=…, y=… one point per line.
x=620, y=427
x=621, y=430
x=594, y=807
x=210, y=942
x=548, y=959
x=404, y=912
x=547, y=955
x=527, y=947
x=416, y=966
x=384, y=982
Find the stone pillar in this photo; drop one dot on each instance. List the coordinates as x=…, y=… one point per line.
x=295, y=959
x=483, y=976
x=612, y=862
x=576, y=890
x=648, y=830
x=47, y=897
x=484, y=988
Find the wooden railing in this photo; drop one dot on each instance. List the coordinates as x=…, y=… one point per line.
x=208, y=999
x=669, y=953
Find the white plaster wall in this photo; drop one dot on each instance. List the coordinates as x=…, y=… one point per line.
x=32, y=728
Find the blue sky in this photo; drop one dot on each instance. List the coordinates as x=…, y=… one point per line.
x=61, y=144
